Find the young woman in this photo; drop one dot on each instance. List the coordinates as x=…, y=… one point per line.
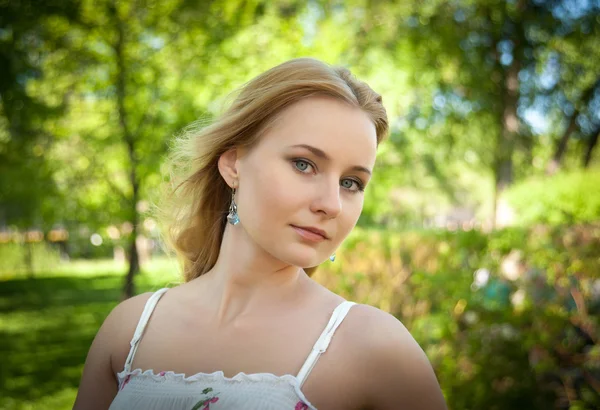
x=260, y=198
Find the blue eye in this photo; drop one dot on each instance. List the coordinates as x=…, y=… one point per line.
x=301, y=165
x=349, y=183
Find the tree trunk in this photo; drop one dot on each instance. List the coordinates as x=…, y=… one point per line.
x=561, y=146
x=29, y=259
x=509, y=129
x=587, y=158
x=129, y=139
x=505, y=144
x=134, y=266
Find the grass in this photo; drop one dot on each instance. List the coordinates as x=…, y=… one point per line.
x=48, y=322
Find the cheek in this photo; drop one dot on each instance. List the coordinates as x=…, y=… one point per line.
x=270, y=197
x=349, y=216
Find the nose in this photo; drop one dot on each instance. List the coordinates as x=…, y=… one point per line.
x=327, y=200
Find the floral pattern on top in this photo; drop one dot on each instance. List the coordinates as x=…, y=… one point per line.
x=125, y=381
x=204, y=404
x=301, y=406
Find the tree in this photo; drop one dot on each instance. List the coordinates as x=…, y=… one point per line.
x=25, y=44
x=28, y=191
x=570, y=56
x=475, y=70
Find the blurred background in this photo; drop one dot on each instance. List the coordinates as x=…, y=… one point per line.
x=480, y=231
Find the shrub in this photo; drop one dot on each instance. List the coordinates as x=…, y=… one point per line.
x=566, y=198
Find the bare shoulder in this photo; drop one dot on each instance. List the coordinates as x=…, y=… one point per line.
x=377, y=333
x=118, y=328
x=121, y=324
x=107, y=355
x=129, y=309
x=379, y=322
x=397, y=373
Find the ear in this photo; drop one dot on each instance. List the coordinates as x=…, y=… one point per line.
x=228, y=167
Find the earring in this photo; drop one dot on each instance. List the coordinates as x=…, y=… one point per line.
x=233, y=217
x=332, y=257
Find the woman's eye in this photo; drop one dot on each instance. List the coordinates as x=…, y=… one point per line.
x=302, y=165
x=351, y=185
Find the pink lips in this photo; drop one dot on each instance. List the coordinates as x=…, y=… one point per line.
x=309, y=235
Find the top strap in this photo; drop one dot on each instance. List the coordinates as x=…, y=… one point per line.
x=141, y=326
x=323, y=341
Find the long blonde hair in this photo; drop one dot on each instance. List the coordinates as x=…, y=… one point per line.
x=192, y=211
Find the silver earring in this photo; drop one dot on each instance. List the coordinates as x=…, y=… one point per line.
x=233, y=217
x=332, y=257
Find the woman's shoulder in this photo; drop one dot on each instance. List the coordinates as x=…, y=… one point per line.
x=380, y=334
x=120, y=324
x=390, y=356
x=373, y=327
x=107, y=354
x=127, y=313
x=365, y=323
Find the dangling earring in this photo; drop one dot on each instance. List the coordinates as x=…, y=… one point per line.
x=233, y=217
x=332, y=257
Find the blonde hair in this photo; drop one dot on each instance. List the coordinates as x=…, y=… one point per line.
x=193, y=211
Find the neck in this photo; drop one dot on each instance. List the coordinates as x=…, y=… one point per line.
x=247, y=281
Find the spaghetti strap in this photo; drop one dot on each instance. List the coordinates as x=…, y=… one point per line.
x=141, y=326
x=322, y=343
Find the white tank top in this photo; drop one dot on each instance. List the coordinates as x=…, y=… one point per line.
x=204, y=391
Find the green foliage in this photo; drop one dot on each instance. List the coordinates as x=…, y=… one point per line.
x=566, y=198
x=438, y=65
x=26, y=41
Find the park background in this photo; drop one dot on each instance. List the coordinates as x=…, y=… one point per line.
x=480, y=230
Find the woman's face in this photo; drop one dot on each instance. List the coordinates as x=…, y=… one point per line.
x=307, y=171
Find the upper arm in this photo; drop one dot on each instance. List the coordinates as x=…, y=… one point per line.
x=399, y=373
x=98, y=386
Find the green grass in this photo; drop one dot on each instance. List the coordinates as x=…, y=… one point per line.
x=48, y=322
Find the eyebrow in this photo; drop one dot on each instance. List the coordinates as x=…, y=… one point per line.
x=321, y=154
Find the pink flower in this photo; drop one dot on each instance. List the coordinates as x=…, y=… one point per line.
x=301, y=406
x=204, y=404
x=161, y=374
x=213, y=400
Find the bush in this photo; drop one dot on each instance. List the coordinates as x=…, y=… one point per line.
x=565, y=198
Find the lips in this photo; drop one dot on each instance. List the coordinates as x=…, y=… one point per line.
x=311, y=233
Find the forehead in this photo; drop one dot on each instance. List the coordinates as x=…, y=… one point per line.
x=343, y=132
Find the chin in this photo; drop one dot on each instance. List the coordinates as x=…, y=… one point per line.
x=302, y=259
